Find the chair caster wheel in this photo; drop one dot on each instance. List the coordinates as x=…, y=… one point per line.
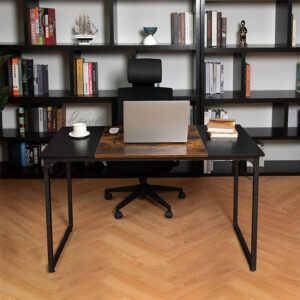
x=118, y=215
x=108, y=196
x=181, y=195
x=168, y=214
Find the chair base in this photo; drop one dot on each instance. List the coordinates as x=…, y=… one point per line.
x=143, y=189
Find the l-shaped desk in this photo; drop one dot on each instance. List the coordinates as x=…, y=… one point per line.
x=100, y=146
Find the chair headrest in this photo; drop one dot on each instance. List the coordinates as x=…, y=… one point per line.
x=144, y=71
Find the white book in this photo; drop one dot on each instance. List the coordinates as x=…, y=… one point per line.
x=207, y=77
x=211, y=78
x=41, y=118
x=214, y=22
x=215, y=78
x=205, y=30
x=191, y=28
x=206, y=117
x=205, y=166
x=15, y=77
x=218, y=78
x=221, y=130
x=35, y=80
x=222, y=80
x=187, y=28
x=86, y=89
x=294, y=32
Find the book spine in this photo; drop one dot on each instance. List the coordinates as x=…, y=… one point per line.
x=79, y=65
x=90, y=78
x=34, y=119
x=224, y=32
x=37, y=26
x=32, y=26
x=205, y=30
x=29, y=75
x=35, y=154
x=207, y=77
x=191, y=27
x=215, y=78
x=40, y=110
x=75, y=76
x=20, y=76
x=41, y=34
x=15, y=77
x=219, y=29
x=95, y=78
x=58, y=111
x=191, y=115
x=23, y=154
x=45, y=82
x=173, y=17
x=211, y=78
x=248, y=69
x=54, y=118
x=10, y=77
x=40, y=79
x=293, y=31
x=45, y=119
x=86, y=79
x=182, y=28
x=46, y=26
x=63, y=116
x=21, y=121
x=209, y=29
x=214, y=25
x=52, y=26
x=218, y=78
x=179, y=30
x=24, y=77
x=222, y=80
x=176, y=29
x=187, y=28
x=35, y=80
x=49, y=119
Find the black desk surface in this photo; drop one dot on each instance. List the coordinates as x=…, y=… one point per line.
x=62, y=147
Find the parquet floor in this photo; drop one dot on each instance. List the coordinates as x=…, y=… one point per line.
x=195, y=255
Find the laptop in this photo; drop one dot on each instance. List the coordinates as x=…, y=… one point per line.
x=156, y=121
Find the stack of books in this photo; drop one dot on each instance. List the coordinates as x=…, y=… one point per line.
x=85, y=77
x=182, y=28
x=214, y=78
x=222, y=129
x=42, y=26
x=215, y=29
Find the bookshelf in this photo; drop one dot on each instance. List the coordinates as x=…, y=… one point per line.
x=279, y=100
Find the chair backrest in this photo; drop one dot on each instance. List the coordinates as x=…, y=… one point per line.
x=143, y=74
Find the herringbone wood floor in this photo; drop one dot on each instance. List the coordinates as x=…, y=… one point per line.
x=195, y=255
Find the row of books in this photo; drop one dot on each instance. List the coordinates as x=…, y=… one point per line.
x=41, y=119
x=26, y=154
x=42, y=26
x=182, y=28
x=214, y=113
x=215, y=31
x=26, y=79
x=85, y=77
x=214, y=78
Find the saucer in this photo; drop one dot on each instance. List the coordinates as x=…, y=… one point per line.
x=87, y=133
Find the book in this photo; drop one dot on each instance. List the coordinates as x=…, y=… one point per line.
x=52, y=26
x=10, y=77
x=86, y=78
x=20, y=76
x=41, y=31
x=248, y=70
x=15, y=76
x=174, y=28
x=63, y=116
x=45, y=119
x=90, y=78
x=211, y=78
x=74, y=76
x=58, y=112
x=221, y=125
x=219, y=135
x=46, y=26
x=79, y=65
x=21, y=117
x=32, y=26
x=187, y=28
x=40, y=79
x=218, y=78
x=24, y=77
x=209, y=29
x=207, y=77
x=35, y=80
x=23, y=154
x=95, y=77
x=215, y=78
x=45, y=80
x=182, y=28
x=191, y=28
x=219, y=29
x=293, y=31
x=205, y=29
x=49, y=119
x=214, y=26
x=41, y=119
x=224, y=32
x=222, y=80
x=54, y=118
x=37, y=26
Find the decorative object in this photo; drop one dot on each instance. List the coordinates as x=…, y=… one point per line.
x=85, y=30
x=150, y=39
x=243, y=35
x=79, y=131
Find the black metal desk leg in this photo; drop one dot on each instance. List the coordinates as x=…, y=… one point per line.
x=48, y=217
x=52, y=260
x=236, y=191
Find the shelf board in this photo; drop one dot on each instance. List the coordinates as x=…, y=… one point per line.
x=99, y=47
x=251, y=48
x=273, y=133
x=256, y=97
x=13, y=135
x=58, y=97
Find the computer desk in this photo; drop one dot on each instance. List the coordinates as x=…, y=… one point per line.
x=64, y=149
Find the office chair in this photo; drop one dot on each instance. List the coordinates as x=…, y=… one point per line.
x=142, y=74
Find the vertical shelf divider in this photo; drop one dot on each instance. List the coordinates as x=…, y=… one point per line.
x=113, y=34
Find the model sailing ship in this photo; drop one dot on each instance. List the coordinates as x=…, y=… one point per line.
x=85, y=30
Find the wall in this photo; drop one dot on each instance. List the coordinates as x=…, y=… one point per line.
x=269, y=71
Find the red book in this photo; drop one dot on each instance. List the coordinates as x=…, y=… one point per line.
x=46, y=26
x=182, y=28
x=248, y=68
x=90, y=79
x=37, y=26
x=32, y=26
x=15, y=76
x=52, y=26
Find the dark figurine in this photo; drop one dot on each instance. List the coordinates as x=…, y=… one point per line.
x=243, y=34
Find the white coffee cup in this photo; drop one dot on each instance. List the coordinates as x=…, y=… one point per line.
x=79, y=129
